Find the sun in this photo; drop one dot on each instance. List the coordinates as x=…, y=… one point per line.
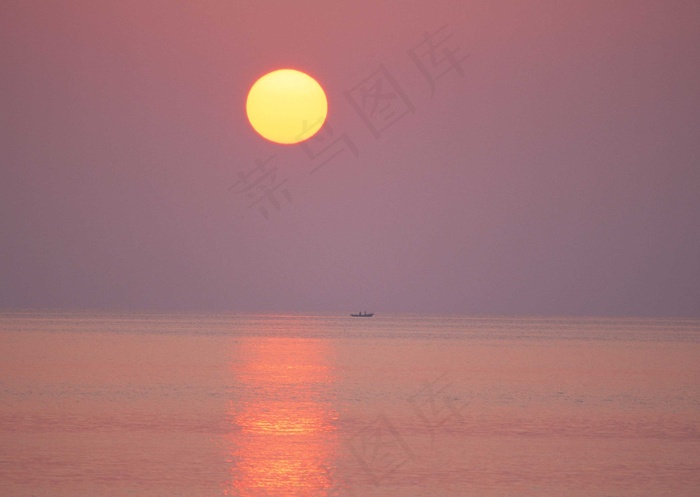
x=286, y=106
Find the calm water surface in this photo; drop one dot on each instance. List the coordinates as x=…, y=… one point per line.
x=295, y=405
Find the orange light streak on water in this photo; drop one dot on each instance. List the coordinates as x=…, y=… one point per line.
x=282, y=440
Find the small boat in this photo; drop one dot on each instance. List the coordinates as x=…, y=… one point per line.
x=363, y=315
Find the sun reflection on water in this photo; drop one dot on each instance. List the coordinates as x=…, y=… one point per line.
x=282, y=438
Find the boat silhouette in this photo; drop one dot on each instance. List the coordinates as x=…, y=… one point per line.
x=363, y=315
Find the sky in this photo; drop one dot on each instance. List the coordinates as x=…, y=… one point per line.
x=487, y=157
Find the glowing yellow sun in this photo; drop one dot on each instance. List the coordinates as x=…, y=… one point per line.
x=286, y=106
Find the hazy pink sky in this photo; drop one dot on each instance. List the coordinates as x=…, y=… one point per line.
x=553, y=169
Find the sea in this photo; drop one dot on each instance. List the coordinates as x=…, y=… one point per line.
x=327, y=405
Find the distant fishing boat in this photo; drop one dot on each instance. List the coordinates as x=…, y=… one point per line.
x=363, y=315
